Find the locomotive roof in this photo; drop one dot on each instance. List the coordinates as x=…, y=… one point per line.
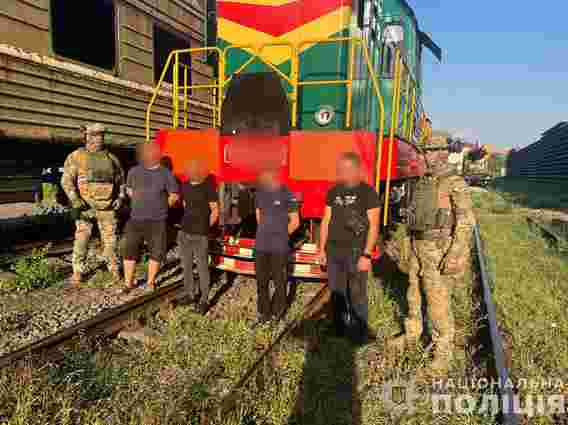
x=424, y=38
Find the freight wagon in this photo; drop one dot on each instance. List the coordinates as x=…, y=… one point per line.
x=66, y=63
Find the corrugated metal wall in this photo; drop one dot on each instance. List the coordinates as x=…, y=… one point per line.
x=546, y=158
x=47, y=97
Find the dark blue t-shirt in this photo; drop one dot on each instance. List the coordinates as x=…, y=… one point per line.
x=150, y=189
x=272, y=232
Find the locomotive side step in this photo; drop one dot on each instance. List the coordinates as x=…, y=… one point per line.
x=247, y=267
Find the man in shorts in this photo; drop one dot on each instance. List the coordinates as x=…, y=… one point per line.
x=152, y=188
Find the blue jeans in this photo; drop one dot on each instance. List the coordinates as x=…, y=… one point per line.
x=343, y=275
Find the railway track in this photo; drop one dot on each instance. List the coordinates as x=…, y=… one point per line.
x=109, y=322
x=497, y=343
x=116, y=319
x=105, y=324
x=554, y=238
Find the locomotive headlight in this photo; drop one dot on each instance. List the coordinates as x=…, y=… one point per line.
x=324, y=115
x=393, y=34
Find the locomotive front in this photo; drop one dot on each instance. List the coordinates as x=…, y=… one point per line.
x=296, y=88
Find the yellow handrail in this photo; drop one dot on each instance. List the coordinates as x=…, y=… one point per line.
x=394, y=126
x=381, y=117
x=175, y=90
x=412, y=117
x=295, y=82
x=406, y=106
x=175, y=86
x=256, y=54
x=155, y=95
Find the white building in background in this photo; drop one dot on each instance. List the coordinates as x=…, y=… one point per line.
x=456, y=160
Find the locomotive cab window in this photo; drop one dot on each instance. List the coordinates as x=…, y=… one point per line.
x=164, y=43
x=85, y=31
x=392, y=38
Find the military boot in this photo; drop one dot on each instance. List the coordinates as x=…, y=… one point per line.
x=116, y=275
x=442, y=357
x=411, y=337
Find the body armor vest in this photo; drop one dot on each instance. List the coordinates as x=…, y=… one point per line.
x=430, y=207
x=96, y=177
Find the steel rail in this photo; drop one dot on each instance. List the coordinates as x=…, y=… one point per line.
x=316, y=303
x=506, y=393
x=106, y=323
x=559, y=240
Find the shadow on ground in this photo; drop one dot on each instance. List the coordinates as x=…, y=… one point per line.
x=330, y=389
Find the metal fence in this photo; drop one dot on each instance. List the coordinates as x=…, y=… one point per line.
x=546, y=158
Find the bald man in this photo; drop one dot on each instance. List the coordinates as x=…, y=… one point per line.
x=201, y=211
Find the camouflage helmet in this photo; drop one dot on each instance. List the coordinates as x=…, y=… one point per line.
x=95, y=128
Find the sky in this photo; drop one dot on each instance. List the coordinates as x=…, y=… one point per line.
x=504, y=78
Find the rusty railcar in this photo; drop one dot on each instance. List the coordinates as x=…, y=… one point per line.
x=64, y=63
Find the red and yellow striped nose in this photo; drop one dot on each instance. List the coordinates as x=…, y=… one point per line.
x=259, y=22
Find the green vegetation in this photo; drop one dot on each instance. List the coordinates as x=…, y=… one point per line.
x=542, y=193
x=530, y=291
x=180, y=373
x=33, y=272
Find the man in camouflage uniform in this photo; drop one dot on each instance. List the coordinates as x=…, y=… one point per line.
x=439, y=223
x=92, y=180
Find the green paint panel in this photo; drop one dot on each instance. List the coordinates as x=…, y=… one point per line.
x=329, y=61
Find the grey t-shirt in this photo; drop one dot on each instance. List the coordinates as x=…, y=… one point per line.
x=150, y=189
x=272, y=233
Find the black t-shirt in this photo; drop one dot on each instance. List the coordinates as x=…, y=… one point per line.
x=341, y=199
x=197, y=198
x=245, y=203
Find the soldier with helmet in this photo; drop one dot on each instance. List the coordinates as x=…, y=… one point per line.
x=92, y=180
x=439, y=224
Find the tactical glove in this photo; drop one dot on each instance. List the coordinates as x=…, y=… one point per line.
x=75, y=214
x=79, y=204
x=453, y=264
x=117, y=204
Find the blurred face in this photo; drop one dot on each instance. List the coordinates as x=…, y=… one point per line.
x=269, y=180
x=149, y=155
x=348, y=172
x=95, y=141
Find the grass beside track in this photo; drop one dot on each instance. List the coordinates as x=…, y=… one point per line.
x=531, y=293
x=191, y=361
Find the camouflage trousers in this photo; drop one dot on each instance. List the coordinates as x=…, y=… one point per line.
x=108, y=228
x=425, y=278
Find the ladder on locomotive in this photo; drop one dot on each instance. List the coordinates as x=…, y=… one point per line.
x=180, y=93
